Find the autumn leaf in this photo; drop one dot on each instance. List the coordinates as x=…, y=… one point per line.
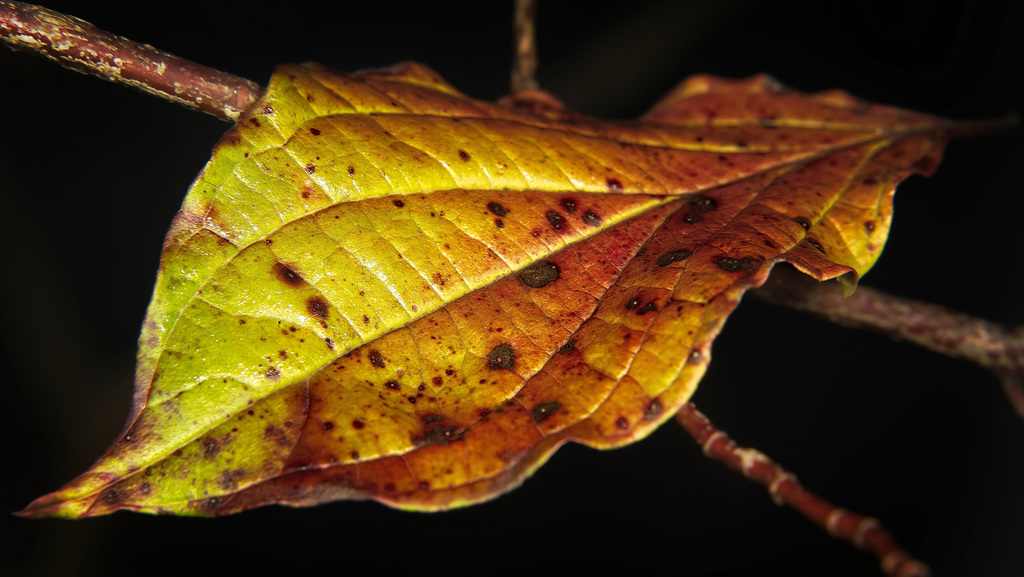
x=379, y=288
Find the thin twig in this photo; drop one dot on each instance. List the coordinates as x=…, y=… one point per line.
x=80, y=46
x=524, y=61
x=863, y=532
x=930, y=326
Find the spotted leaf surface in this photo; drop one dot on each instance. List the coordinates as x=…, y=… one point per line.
x=379, y=288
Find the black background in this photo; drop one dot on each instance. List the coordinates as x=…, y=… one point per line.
x=91, y=174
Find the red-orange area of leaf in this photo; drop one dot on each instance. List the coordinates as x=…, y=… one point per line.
x=585, y=312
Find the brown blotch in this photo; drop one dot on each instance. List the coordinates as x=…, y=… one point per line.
x=591, y=218
x=673, y=256
x=649, y=307
x=693, y=217
x=803, y=221
x=273, y=373
x=398, y=203
x=632, y=303
x=497, y=209
x=437, y=381
x=735, y=264
x=539, y=274
x=614, y=184
x=463, y=155
x=328, y=425
x=112, y=497
x=228, y=480
x=653, y=410
x=357, y=424
x=314, y=132
x=376, y=359
x=288, y=276
x=211, y=448
x=502, y=357
x=556, y=220
x=569, y=204
x=317, y=307
x=701, y=203
x=544, y=410
x=393, y=385
x=622, y=423
x=568, y=347
x=813, y=242
x=869, y=226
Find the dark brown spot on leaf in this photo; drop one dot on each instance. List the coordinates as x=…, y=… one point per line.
x=693, y=217
x=622, y=423
x=701, y=203
x=499, y=223
x=673, y=256
x=568, y=347
x=357, y=424
x=813, y=242
x=351, y=170
x=289, y=276
x=614, y=185
x=544, y=410
x=210, y=448
x=437, y=381
x=376, y=359
x=632, y=303
x=310, y=168
x=317, y=307
x=463, y=155
x=314, y=132
x=398, y=203
x=869, y=226
x=649, y=307
x=502, y=357
x=556, y=220
x=735, y=264
x=273, y=373
x=802, y=221
x=328, y=425
x=569, y=204
x=497, y=209
x=591, y=218
x=393, y=385
x=653, y=410
x=539, y=274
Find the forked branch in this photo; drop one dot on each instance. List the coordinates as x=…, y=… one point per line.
x=863, y=532
x=80, y=46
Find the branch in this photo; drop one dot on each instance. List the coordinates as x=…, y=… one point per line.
x=863, y=532
x=524, y=61
x=933, y=327
x=80, y=46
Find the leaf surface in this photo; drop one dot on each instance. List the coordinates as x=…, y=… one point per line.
x=380, y=288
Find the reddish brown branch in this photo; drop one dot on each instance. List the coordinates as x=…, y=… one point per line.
x=524, y=60
x=80, y=46
x=864, y=532
x=930, y=326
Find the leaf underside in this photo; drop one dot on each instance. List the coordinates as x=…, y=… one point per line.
x=379, y=288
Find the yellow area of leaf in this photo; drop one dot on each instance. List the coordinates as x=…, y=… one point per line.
x=380, y=288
